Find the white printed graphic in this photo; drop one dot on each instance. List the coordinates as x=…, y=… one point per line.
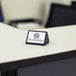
x=36, y=37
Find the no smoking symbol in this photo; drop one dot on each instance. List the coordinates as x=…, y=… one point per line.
x=36, y=35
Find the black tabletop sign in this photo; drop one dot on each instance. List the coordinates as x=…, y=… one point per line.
x=37, y=37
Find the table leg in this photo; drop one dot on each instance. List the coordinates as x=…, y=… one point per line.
x=9, y=73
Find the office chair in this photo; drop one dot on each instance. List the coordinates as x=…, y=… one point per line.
x=61, y=15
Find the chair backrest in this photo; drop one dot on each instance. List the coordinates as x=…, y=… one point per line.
x=1, y=14
x=48, y=7
x=61, y=15
x=23, y=9
x=73, y=4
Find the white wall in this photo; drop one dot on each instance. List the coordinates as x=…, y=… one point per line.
x=22, y=9
x=17, y=9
